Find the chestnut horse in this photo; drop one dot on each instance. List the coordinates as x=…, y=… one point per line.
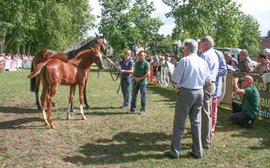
x=99, y=43
x=55, y=72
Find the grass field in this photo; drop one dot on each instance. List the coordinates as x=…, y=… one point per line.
x=110, y=137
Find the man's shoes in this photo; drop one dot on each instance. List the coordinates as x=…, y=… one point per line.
x=142, y=112
x=192, y=154
x=249, y=125
x=206, y=146
x=168, y=153
x=130, y=111
x=123, y=107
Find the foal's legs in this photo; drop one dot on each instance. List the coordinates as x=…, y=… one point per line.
x=45, y=91
x=50, y=97
x=81, y=88
x=71, y=97
x=85, y=98
x=37, y=83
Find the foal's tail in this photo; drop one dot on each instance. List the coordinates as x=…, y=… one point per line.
x=37, y=69
x=32, y=80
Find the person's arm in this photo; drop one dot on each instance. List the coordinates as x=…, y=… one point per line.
x=237, y=89
x=256, y=69
x=128, y=71
x=110, y=61
x=146, y=75
x=248, y=66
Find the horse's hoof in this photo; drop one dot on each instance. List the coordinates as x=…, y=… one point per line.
x=83, y=117
x=52, y=126
x=46, y=123
x=54, y=104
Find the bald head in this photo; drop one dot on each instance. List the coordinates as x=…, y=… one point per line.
x=247, y=81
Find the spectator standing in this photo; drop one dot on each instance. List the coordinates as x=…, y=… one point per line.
x=230, y=61
x=244, y=64
x=140, y=75
x=222, y=71
x=244, y=113
x=126, y=71
x=190, y=76
x=208, y=54
x=162, y=70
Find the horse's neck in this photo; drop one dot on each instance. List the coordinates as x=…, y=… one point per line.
x=83, y=61
x=71, y=54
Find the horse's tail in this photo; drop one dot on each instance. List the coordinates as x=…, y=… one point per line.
x=32, y=80
x=37, y=69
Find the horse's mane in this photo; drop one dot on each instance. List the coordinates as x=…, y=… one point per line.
x=73, y=53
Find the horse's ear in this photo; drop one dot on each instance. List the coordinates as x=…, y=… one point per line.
x=96, y=35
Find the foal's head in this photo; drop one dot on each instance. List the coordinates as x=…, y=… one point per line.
x=97, y=58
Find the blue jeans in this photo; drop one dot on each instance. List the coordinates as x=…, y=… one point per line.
x=125, y=87
x=135, y=89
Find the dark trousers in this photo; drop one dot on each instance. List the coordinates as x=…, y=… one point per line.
x=238, y=116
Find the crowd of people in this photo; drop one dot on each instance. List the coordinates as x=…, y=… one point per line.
x=246, y=65
x=11, y=62
x=198, y=77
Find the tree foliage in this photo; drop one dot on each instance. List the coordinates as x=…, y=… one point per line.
x=125, y=22
x=250, y=34
x=53, y=24
x=197, y=18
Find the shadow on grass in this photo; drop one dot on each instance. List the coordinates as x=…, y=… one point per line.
x=19, y=123
x=169, y=94
x=260, y=129
x=17, y=110
x=124, y=147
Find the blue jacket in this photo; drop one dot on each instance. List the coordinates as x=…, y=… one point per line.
x=222, y=71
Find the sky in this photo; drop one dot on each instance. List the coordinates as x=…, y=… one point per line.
x=259, y=9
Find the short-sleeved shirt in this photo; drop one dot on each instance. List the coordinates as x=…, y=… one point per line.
x=191, y=72
x=140, y=69
x=251, y=101
x=126, y=65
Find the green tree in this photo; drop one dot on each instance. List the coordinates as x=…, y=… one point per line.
x=197, y=18
x=125, y=22
x=53, y=24
x=250, y=34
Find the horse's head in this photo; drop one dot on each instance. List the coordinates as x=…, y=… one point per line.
x=102, y=42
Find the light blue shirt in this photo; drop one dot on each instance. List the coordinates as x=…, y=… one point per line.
x=212, y=60
x=191, y=72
